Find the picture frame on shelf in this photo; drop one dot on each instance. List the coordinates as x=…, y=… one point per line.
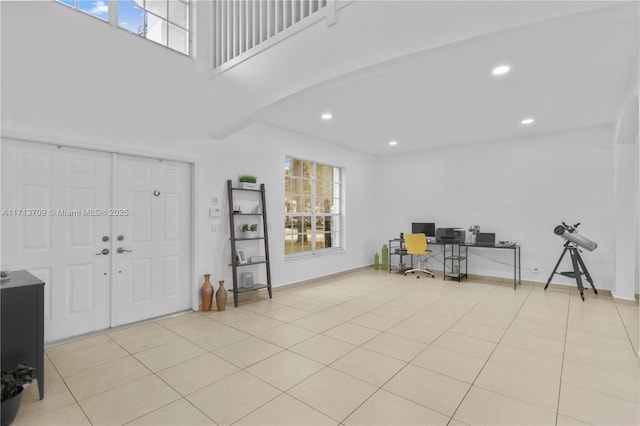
x=242, y=258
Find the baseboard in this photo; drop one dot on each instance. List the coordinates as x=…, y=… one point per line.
x=470, y=277
x=323, y=277
x=629, y=302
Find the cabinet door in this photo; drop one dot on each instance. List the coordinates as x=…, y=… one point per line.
x=19, y=326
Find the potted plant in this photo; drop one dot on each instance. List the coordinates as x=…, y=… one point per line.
x=473, y=229
x=250, y=230
x=13, y=383
x=248, y=182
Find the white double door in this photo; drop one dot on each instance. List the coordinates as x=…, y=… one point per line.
x=109, y=234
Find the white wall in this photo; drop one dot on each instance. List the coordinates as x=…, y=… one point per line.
x=67, y=78
x=70, y=79
x=80, y=78
x=519, y=189
x=261, y=150
x=627, y=180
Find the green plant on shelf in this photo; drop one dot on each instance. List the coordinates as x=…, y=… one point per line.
x=474, y=229
x=248, y=178
x=253, y=227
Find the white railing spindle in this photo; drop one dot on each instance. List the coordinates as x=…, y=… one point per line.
x=242, y=25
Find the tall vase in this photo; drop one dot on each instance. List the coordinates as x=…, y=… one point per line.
x=385, y=258
x=206, y=293
x=221, y=296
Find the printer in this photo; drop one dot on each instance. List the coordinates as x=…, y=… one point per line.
x=450, y=235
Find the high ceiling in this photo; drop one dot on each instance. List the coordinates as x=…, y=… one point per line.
x=565, y=73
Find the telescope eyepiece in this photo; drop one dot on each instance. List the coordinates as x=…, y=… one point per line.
x=559, y=230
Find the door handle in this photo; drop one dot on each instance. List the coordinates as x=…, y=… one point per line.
x=103, y=252
x=122, y=250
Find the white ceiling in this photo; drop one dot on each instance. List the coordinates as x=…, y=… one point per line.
x=566, y=73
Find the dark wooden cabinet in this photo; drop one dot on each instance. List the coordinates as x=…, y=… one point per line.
x=22, y=316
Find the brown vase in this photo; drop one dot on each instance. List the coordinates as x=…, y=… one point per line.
x=221, y=296
x=206, y=293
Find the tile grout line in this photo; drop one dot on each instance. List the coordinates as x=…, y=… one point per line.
x=490, y=355
x=350, y=298
x=414, y=357
x=564, y=349
x=636, y=351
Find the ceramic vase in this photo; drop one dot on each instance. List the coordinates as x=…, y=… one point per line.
x=206, y=293
x=221, y=296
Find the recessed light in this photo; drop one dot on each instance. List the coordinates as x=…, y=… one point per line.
x=527, y=121
x=326, y=116
x=393, y=143
x=501, y=70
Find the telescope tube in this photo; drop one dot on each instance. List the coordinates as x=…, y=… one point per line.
x=577, y=239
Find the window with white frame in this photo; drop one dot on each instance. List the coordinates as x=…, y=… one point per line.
x=165, y=22
x=312, y=206
x=99, y=9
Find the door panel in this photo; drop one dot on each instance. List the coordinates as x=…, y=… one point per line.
x=171, y=274
x=59, y=244
x=80, y=286
x=153, y=278
x=36, y=230
x=140, y=283
x=62, y=246
x=140, y=203
x=171, y=228
x=83, y=232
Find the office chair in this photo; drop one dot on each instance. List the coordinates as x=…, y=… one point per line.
x=416, y=244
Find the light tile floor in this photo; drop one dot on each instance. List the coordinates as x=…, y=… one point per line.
x=366, y=348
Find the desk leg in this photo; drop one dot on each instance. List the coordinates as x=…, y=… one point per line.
x=514, y=268
x=519, y=267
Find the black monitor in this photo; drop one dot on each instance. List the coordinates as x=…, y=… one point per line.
x=428, y=229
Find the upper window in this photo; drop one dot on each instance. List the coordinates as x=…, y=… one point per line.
x=99, y=9
x=165, y=22
x=312, y=206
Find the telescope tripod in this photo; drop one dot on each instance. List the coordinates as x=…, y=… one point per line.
x=577, y=262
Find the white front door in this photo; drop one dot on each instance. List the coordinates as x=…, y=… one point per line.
x=152, y=243
x=49, y=199
x=62, y=208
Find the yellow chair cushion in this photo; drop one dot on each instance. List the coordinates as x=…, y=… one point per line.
x=416, y=244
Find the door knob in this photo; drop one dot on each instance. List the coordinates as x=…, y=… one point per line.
x=122, y=250
x=104, y=252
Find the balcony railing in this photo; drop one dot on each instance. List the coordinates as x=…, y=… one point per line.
x=240, y=26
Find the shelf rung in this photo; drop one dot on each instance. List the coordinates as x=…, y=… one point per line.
x=253, y=288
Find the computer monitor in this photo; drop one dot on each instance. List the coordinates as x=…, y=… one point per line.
x=428, y=229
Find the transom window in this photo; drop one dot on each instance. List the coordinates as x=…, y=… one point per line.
x=312, y=206
x=99, y=9
x=165, y=22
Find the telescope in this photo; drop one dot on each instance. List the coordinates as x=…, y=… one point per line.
x=572, y=242
x=570, y=233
